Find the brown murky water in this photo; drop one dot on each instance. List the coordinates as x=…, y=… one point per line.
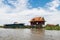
x=29, y=34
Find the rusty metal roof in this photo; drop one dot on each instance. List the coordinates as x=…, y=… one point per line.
x=37, y=19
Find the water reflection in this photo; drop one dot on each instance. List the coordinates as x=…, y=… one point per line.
x=28, y=34
x=52, y=34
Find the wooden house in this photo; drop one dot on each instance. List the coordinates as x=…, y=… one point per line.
x=37, y=22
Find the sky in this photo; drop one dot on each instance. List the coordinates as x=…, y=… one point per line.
x=22, y=11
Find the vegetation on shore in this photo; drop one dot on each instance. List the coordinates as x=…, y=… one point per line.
x=1, y=26
x=47, y=27
x=55, y=27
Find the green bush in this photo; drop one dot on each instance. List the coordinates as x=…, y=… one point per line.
x=52, y=27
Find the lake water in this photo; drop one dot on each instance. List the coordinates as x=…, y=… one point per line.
x=29, y=34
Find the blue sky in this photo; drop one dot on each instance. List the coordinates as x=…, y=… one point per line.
x=22, y=11
x=8, y=3
x=38, y=3
x=32, y=3
x=58, y=7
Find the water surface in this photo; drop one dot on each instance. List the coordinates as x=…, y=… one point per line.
x=29, y=34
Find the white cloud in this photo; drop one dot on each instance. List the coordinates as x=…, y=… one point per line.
x=53, y=5
x=19, y=6
x=55, y=13
x=22, y=14
x=8, y=14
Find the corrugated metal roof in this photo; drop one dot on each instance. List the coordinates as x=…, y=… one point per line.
x=37, y=19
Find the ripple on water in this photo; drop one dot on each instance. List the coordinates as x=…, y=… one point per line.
x=28, y=34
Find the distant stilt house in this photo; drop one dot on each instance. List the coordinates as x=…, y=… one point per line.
x=20, y=25
x=37, y=22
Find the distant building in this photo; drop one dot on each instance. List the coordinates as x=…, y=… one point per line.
x=21, y=25
x=37, y=21
x=52, y=25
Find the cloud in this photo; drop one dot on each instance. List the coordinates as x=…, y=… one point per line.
x=10, y=6
x=8, y=14
x=53, y=5
x=55, y=13
x=22, y=14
